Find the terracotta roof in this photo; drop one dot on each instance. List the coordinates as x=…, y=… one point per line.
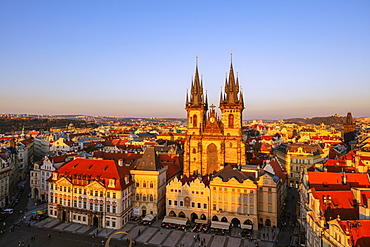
x=278, y=169
x=172, y=161
x=358, y=230
x=59, y=159
x=334, y=203
x=26, y=142
x=334, y=180
x=84, y=171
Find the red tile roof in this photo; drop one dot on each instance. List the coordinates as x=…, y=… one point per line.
x=83, y=171
x=278, y=169
x=334, y=180
x=334, y=203
x=358, y=230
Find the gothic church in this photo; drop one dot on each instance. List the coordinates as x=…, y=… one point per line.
x=213, y=142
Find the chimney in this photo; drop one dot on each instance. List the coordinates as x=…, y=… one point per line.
x=120, y=162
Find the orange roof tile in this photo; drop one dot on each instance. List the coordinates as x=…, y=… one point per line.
x=92, y=169
x=358, y=230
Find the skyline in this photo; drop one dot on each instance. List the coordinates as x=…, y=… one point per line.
x=294, y=59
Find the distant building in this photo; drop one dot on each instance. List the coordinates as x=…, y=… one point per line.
x=296, y=156
x=349, y=129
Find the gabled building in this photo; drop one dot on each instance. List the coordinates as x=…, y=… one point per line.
x=41, y=172
x=91, y=192
x=328, y=198
x=296, y=156
x=150, y=184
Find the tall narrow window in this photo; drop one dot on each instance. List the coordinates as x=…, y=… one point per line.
x=231, y=121
x=195, y=121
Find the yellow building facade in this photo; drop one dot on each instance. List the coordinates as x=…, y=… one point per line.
x=150, y=184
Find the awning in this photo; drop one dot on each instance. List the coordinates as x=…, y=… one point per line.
x=175, y=220
x=220, y=225
x=245, y=226
x=149, y=217
x=201, y=221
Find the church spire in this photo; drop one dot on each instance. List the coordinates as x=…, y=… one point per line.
x=196, y=98
x=232, y=95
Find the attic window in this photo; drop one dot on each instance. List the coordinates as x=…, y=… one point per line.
x=75, y=166
x=89, y=167
x=112, y=182
x=105, y=168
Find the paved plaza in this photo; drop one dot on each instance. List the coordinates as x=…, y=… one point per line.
x=157, y=236
x=153, y=235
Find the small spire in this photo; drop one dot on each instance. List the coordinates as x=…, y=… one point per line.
x=221, y=100
x=187, y=96
x=237, y=82
x=206, y=101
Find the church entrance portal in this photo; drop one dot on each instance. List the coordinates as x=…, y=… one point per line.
x=212, y=158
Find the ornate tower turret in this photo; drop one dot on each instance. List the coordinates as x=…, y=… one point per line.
x=196, y=106
x=232, y=105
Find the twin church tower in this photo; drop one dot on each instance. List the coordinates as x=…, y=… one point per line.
x=213, y=142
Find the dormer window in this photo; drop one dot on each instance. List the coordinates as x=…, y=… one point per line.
x=112, y=183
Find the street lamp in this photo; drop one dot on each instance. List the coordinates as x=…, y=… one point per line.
x=110, y=237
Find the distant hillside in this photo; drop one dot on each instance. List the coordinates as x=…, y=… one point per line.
x=331, y=120
x=10, y=125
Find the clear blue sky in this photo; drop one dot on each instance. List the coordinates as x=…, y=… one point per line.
x=136, y=58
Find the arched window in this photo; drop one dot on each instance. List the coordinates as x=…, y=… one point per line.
x=195, y=122
x=151, y=197
x=144, y=198
x=137, y=197
x=144, y=184
x=151, y=184
x=182, y=215
x=231, y=144
x=231, y=121
x=194, y=150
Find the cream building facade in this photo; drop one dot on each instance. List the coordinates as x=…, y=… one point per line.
x=150, y=184
x=91, y=192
